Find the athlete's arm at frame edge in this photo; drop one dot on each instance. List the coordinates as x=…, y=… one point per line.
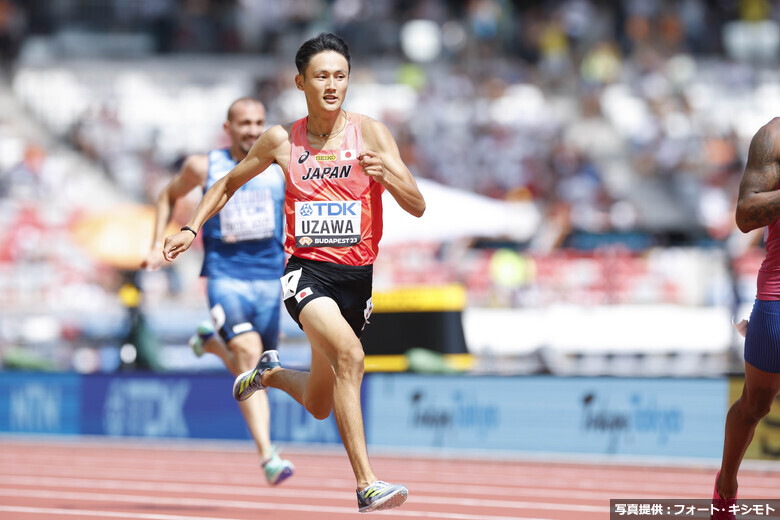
x=759, y=200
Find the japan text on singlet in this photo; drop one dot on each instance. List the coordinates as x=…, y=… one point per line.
x=333, y=209
x=244, y=240
x=769, y=275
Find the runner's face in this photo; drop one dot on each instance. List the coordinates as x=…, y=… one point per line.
x=246, y=125
x=325, y=80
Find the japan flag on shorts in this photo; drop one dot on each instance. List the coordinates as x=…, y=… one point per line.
x=303, y=294
x=348, y=155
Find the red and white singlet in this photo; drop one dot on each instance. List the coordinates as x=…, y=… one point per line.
x=333, y=209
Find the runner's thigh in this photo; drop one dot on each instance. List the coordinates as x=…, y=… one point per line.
x=326, y=328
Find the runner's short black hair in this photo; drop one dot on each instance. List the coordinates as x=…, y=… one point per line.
x=320, y=43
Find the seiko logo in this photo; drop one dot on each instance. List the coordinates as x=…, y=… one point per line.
x=303, y=157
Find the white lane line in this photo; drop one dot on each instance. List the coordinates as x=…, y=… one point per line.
x=147, y=455
x=425, y=498
x=314, y=488
x=615, y=488
x=613, y=481
x=439, y=470
x=81, y=513
x=194, y=502
x=151, y=516
x=288, y=490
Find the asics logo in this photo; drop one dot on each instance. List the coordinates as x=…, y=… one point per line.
x=303, y=157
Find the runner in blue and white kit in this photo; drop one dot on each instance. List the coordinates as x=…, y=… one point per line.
x=243, y=260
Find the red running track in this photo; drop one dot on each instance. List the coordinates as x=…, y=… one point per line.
x=90, y=479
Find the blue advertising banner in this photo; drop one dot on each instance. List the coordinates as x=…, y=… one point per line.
x=290, y=422
x=39, y=403
x=193, y=406
x=161, y=405
x=660, y=417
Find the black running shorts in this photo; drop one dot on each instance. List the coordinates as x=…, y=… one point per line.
x=348, y=285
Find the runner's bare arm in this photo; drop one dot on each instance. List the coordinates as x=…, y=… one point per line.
x=382, y=160
x=265, y=151
x=759, y=200
x=192, y=174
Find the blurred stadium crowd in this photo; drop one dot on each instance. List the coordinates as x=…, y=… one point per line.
x=624, y=124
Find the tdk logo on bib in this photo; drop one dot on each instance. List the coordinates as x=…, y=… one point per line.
x=330, y=209
x=306, y=210
x=327, y=224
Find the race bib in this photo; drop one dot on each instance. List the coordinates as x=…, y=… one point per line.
x=248, y=215
x=327, y=223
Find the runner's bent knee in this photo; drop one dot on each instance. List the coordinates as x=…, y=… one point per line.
x=318, y=406
x=350, y=360
x=758, y=402
x=318, y=395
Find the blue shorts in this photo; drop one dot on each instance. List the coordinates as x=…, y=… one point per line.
x=762, y=341
x=239, y=306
